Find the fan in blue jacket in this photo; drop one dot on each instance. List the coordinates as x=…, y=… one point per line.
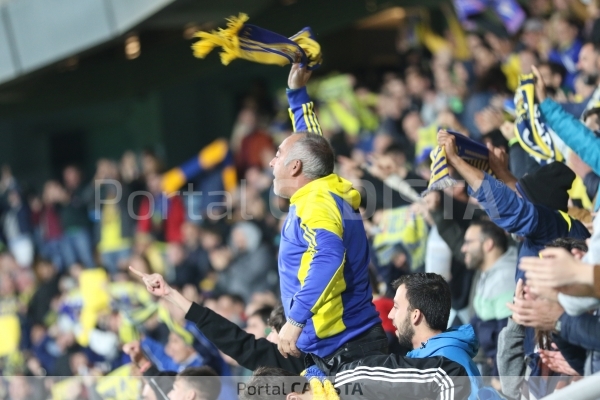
x=459, y=345
x=324, y=253
x=581, y=139
x=535, y=208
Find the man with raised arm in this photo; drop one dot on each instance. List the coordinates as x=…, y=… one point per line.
x=324, y=254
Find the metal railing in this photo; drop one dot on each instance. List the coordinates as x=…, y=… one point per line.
x=586, y=389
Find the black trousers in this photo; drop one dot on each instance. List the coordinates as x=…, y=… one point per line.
x=372, y=342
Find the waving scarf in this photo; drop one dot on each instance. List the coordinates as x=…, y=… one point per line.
x=534, y=135
x=469, y=150
x=252, y=43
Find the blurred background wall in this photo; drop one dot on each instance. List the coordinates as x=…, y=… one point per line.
x=102, y=76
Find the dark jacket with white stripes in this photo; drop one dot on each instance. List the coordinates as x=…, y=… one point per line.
x=240, y=345
x=397, y=377
x=370, y=378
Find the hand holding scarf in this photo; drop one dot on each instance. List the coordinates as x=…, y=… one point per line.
x=451, y=145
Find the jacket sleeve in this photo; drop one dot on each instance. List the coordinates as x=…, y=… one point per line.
x=510, y=359
x=573, y=132
x=383, y=377
x=321, y=273
x=577, y=305
x=302, y=112
x=574, y=355
x=516, y=215
x=243, y=347
x=581, y=331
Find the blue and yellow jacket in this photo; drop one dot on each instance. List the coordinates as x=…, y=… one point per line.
x=324, y=255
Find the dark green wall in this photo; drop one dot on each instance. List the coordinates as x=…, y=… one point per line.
x=177, y=122
x=166, y=98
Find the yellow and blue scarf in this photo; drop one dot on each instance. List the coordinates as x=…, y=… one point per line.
x=469, y=150
x=537, y=138
x=252, y=43
x=217, y=154
x=534, y=136
x=322, y=388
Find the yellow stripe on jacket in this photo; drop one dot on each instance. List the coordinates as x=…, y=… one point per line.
x=322, y=213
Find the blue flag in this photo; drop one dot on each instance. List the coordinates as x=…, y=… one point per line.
x=511, y=14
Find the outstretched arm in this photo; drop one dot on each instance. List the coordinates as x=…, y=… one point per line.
x=157, y=286
x=473, y=176
x=301, y=108
x=501, y=203
x=572, y=131
x=243, y=347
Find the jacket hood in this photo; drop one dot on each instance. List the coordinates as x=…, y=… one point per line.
x=334, y=184
x=462, y=338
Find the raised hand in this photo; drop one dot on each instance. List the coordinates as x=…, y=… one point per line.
x=498, y=159
x=155, y=283
x=449, y=142
x=134, y=351
x=556, y=268
x=298, y=76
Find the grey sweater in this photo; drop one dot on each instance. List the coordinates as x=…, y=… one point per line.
x=511, y=361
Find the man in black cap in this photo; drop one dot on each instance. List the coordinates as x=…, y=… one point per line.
x=548, y=186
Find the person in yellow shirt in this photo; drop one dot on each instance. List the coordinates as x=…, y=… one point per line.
x=115, y=229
